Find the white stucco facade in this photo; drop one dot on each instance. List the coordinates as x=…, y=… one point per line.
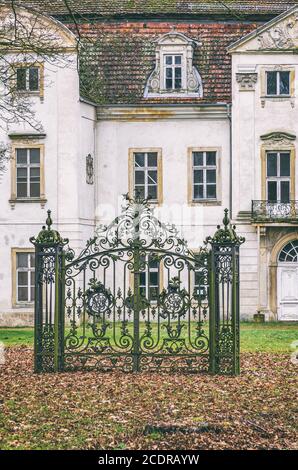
x=73, y=129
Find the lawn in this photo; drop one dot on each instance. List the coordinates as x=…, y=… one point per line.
x=255, y=337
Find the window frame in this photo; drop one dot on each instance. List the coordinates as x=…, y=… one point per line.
x=25, y=65
x=131, y=172
x=267, y=148
x=204, y=201
x=161, y=280
x=278, y=94
x=15, y=302
x=278, y=178
x=173, y=67
x=147, y=285
x=28, y=166
x=276, y=68
x=27, y=145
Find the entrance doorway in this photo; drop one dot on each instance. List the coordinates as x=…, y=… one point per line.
x=287, y=282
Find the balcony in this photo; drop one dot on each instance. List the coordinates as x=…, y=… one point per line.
x=270, y=212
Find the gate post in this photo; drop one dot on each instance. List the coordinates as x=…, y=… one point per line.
x=224, y=300
x=49, y=299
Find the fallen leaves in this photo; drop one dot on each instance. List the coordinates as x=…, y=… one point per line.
x=92, y=410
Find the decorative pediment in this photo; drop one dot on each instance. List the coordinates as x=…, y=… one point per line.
x=278, y=139
x=175, y=38
x=279, y=34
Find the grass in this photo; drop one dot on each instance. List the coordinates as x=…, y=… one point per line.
x=255, y=337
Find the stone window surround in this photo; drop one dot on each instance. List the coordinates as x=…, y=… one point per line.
x=14, y=252
x=40, y=91
x=278, y=141
x=203, y=202
x=131, y=153
x=27, y=143
x=263, y=86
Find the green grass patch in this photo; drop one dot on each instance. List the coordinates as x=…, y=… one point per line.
x=17, y=336
x=255, y=337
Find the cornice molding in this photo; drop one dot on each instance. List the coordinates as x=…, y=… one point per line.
x=160, y=113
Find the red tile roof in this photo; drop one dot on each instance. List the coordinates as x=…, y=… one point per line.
x=119, y=36
x=120, y=57
x=108, y=8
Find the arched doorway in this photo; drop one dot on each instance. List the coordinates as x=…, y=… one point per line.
x=287, y=282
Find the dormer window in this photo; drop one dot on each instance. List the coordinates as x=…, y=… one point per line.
x=174, y=74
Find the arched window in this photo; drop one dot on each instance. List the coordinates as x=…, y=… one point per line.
x=289, y=253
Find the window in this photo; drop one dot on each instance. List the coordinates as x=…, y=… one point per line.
x=278, y=176
x=200, y=284
x=278, y=83
x=28, y=79
x=145, y=178
x=173, y=72
x=27, y=172
x=25, y=277
x=289, y=253
x=149, y=279
x=204, y=175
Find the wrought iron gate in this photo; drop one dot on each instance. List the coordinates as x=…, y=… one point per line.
x=137, y=299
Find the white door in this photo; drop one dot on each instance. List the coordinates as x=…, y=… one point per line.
x=287, y=282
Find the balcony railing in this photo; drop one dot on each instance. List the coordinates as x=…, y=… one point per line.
x=266, y=211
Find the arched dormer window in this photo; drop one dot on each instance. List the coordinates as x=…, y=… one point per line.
x=174, y=74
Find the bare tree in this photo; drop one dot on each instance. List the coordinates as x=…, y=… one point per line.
x=25, y=38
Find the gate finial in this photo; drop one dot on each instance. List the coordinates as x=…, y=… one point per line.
x=48, y=236
x=227, y=234
x=49, y=221
x=226, y=219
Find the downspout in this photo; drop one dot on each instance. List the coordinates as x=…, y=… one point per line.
x=229, y=114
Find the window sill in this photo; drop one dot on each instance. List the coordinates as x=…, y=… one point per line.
x=278, y=99
x=205, y=202
x=37, y=200
x=30, y=94
x=21, y=305
x=174, y=94
x=277, y=96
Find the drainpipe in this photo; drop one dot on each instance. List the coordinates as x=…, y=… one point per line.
x=229, y=114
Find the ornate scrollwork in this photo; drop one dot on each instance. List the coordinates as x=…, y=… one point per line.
x=98, y=299
x=136, y=226
x=281, y=36
x=173, y=301
x=274, y=211
x=246, y=81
